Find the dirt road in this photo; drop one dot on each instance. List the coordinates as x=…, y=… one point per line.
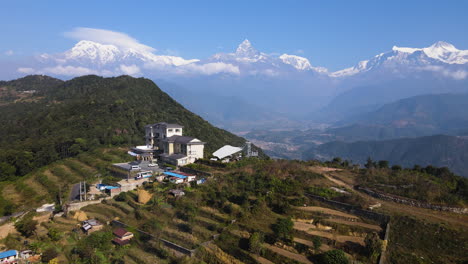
x=289, y=254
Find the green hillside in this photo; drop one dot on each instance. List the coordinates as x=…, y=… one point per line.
x=62, y=119
x=439, y=150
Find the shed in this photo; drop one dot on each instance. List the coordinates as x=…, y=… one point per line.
x=227, y=151
x=123, y=234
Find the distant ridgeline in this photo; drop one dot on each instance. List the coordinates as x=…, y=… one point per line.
x=45, y=119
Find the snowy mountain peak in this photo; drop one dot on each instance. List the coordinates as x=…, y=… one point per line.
x=245, y=49
x=86, y=49
x=297, y=62
x=443, y=45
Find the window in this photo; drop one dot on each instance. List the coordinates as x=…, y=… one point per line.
x=169, y=130
x=177, y=130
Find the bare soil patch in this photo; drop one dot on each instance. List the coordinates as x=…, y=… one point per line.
x=326, y=211
x=370, y=226
x=330, y=235
x=288, y=254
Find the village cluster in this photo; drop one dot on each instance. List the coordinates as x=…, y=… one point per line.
x=162, y=159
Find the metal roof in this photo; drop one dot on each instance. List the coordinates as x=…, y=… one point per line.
x=226, y=151
x=175, y=175
x=8, y=253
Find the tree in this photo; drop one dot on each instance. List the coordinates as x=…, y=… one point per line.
x=396, y=168
x=370, y=163
x=26, y=226
x=283, y=228
x=334, y=257
x=383, y=164
x=54, y=234
x=373, y=245
x=317, y=242
x=49, y=254
x=256, y=242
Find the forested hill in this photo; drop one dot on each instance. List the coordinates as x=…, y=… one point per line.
x=44, y=119
x=438, y=150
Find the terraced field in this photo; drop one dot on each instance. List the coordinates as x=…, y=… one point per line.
x=50, y=183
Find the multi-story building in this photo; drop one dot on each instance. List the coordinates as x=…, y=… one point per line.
x=171, y=146
x=156, y=133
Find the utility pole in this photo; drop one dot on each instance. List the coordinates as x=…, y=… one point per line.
x=81, y=197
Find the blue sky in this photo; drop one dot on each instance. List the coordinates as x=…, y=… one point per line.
x=332, y=34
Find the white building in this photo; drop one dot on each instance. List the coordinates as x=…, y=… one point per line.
x=156, y=133
x=173, y=147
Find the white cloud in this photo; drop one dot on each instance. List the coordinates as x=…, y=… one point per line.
x=68, y=70
x=9, y=52
x=104, y=36
x=299, y=51
x=212, y=68
x=130, y=70
x=26, y=70
x=457, y=75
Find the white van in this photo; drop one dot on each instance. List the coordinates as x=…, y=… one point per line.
x=135, y=167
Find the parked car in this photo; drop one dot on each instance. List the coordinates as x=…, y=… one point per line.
x=152, y=165
x=135, y=167
x=169, y=169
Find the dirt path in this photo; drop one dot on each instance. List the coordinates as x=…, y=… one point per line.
x=326, y=211
x=288, y=254
x=392, y=208
x=7, y=229
x=261, y=260
x=340, y=238
x=340, y=221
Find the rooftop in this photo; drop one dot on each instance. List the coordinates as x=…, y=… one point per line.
x=9, y=253
x=173, y=174
x=226, y=151
x=166, y=125
x=120, y=232
x=183, y=140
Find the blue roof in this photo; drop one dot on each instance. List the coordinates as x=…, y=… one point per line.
x=108, y=187
x=8, y=253
x=175, y=175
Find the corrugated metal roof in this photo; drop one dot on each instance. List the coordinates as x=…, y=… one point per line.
x=8, y=253
x=175, y=175
x=226, y=151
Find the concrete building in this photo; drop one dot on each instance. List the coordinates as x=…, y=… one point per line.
x=156, y=133
x=182, y=150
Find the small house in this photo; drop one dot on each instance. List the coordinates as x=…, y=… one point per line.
x=123, y=237
x=91, y=225
x=177, y=193
x=10, y=256
x=179, y=177
x=123, y=234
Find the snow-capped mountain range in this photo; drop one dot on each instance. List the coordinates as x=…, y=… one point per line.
x=439, y=54
x=91, y=57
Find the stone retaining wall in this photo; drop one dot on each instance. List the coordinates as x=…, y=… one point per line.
x=411, y=202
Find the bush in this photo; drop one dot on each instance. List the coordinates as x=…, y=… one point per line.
x=49, y=254
x=26, y=226
x=256, y=243
x=283, y=228
x=333, y=257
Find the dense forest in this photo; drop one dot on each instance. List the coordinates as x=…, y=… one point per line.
x=45, y=119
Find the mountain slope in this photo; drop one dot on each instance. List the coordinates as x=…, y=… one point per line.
x=439, y=150
x=87, y=112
